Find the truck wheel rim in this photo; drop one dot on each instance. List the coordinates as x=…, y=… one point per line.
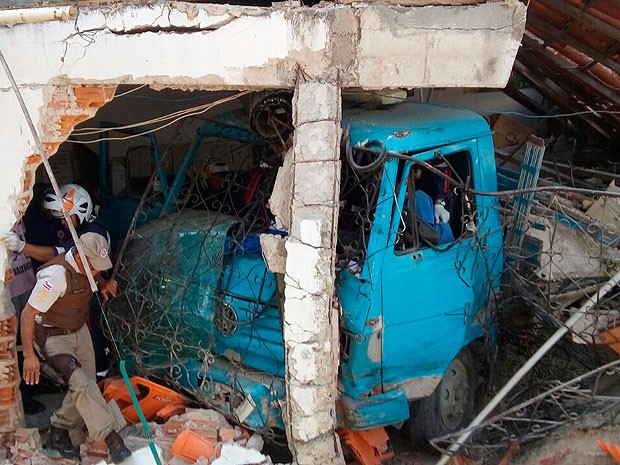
x=454, y=395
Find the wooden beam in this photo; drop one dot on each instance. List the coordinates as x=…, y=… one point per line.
x=589, y=3
x=613, y=96
x=525, y=100
x=575, y=43
x=559, y=97
x=583, y=16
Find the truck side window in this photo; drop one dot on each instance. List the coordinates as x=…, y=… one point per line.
x=436, y=211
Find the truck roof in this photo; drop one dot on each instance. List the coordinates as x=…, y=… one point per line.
x=414, y=126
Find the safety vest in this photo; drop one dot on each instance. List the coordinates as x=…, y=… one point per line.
x=71, y=310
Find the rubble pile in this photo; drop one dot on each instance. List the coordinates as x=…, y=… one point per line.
x=556, y=368
x=571, y=241
x=197, y=436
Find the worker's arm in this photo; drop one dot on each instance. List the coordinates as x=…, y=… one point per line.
x=15, y=243
x=32, y=367
x=40, y=253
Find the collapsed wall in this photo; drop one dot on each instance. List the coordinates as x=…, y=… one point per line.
x=68, y=66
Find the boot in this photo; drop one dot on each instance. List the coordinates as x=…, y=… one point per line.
x=116, y=446
x=59, y=440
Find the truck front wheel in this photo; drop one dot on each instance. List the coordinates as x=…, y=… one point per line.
x=450, y=407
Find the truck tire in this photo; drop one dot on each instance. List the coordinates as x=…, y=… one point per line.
x=450, y=407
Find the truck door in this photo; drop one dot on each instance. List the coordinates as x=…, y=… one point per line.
x=431, y=287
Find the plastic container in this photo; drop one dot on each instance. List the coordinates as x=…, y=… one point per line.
x=191, y=446
x=151, y=396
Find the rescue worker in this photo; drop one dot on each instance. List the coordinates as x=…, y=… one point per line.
x=41, y=227
x=55, y=318
x=79, y=206
x=20, y=287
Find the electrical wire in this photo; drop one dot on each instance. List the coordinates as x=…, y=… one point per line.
x=159, y=99
x=130, y=91
x=177, y=116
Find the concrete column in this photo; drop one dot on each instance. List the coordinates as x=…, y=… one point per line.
x=310, y=320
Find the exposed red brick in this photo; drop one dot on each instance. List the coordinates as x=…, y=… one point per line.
x=27, y=438
x=227, y=434
x=28, y=180
x=108, y=92
x=92, y=97
x=210, y=434
x=94, y=449
x=49, y=128
x=556, y=457
x=7, y=395
x=5, y=417
x=68, y=122
x=59, y=98
x=51, y=147
x=8, y=327
x=35, y=158
x=9, y=418
x=173, y=427
x=23, y=203
x=8, y=372
x=7, y=348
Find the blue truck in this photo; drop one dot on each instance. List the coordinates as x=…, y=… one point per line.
x=201, y=309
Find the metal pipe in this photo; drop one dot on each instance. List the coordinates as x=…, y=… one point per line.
x=50, y=173
x=36, y=15
x=533, y=360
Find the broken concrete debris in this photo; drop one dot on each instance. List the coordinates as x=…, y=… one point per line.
x=571, y=243
x=197, y=436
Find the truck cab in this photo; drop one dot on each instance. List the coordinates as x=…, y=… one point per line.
x=416, y=327
x=413, y=309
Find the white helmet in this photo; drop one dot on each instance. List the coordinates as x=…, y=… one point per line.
x=76, y=200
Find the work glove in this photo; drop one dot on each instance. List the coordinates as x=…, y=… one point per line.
x=442, y=216
x=13, y=242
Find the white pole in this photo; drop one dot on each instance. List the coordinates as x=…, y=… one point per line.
x=533, y=360
x=36, y=15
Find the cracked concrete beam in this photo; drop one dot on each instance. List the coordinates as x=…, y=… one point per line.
x=435, y=45
x=252, y=47
x=167, y=16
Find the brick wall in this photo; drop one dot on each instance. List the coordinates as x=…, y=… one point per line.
x=66, y=107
